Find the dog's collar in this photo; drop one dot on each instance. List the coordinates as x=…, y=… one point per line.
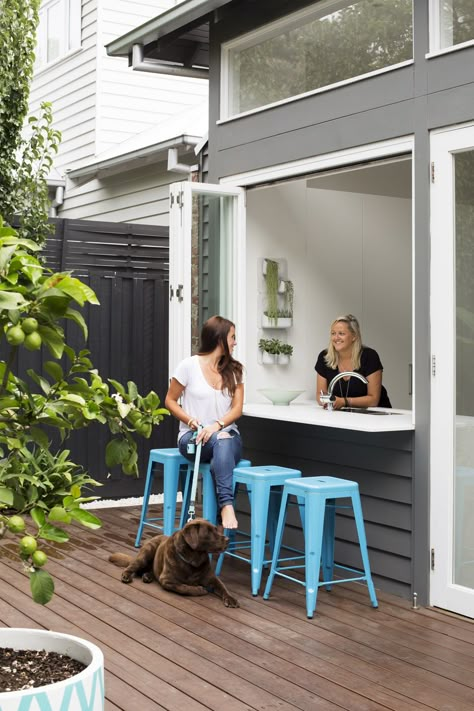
x=185, y=560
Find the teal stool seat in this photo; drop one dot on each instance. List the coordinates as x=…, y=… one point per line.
x=264, y=507
x=319, y=494
x=173, y=464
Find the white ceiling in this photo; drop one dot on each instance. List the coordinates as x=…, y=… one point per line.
x=392, y=179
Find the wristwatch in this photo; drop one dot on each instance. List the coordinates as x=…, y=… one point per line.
x=221, y=424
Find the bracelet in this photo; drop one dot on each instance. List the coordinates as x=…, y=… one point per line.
x=191, y=419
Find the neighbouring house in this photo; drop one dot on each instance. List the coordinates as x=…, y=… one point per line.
x=124, y=135
x=341, y=146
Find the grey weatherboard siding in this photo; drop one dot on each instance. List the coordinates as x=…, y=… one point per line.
x=392, y=469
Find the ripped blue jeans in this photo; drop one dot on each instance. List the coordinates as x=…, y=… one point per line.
x=223, y=450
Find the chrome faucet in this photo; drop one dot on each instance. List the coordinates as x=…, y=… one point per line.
x=328, y=398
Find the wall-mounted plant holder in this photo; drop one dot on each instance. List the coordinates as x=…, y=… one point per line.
x=283, y=359
x=276, y=294
x=268, y=358
x=279, y=322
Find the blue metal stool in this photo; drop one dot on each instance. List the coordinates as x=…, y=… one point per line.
x=264, y=507
x=319, y=494
x=172, y=462
x=209, y=499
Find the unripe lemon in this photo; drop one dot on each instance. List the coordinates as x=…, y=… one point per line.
x=15, y=336
x=39, y=558
x=28, y=545
x=16, y=524
x=33, y=341
x=29, y=325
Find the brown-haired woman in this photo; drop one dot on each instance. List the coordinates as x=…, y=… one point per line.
x=346, y=352
x=210, y=386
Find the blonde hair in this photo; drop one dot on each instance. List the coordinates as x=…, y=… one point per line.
x=331, y=357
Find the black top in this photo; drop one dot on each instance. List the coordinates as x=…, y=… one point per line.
x=369, y=363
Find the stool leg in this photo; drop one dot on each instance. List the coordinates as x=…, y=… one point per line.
x=314, y=526
x=359, y=520
x=327, y=560
x=259, y=502
x=170, y=489
x=231, y=535
x=146, y=497
x=277, y=544
x=209, y=499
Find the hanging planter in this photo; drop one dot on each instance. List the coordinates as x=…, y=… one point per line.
x=278, y=322
x=81, y=692
x=268, y=358
x=283, y=359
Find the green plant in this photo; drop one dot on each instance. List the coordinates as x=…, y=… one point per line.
x=37, y=477
x=271, y=288
x=289, y=296
x=274, y=346
x=286, y=349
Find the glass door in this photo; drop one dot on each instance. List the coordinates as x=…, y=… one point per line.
x=452, y=405
x=207, y=263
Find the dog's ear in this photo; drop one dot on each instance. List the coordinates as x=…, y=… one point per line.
x=191, y=534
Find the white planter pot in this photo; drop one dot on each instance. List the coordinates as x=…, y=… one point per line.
x=283, y=359
x=82, y=692
x=268, y=358
x=280, y=322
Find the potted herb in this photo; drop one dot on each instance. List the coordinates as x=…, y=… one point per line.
x=286, y=351
x=269, y=349
x=282, y=318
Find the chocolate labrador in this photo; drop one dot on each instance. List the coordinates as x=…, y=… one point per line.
x=180, y=562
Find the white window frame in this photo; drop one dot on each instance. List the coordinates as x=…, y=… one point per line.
x=435, y=34
x=271, y=29
x=71, y=31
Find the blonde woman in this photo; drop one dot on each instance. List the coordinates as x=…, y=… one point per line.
x=347, y=353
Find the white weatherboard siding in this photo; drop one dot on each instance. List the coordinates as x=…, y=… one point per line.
x=130, y=102
x=99, y=104
x=70, y=85
x=139, y=196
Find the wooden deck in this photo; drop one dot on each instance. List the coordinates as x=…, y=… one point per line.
x=164, y=651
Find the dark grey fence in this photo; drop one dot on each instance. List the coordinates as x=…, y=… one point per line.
x=127, y=265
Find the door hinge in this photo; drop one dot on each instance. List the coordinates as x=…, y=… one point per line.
x=171, y=292
x=432, y=171
x=432, y=559
x=178, y=199
x=433, y=365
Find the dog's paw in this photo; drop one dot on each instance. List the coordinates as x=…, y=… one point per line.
x=148, y=577
x=127, y=578
x=230, y=601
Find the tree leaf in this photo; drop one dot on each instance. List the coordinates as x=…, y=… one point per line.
x=54, y=370
x=116, y=452
x=78, y=318
x=59, y=514
x=52, y=533
x=42, y=586
x=38, y=516
x=53, y=340
x=10, y=300
x=77, y=290
x=6, y=496
x=86, y=518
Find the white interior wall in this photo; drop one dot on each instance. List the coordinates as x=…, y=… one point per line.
x=345, y=252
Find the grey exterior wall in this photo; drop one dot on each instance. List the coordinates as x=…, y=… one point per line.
x=412, y=100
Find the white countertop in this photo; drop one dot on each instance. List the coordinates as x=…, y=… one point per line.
x=309, y=412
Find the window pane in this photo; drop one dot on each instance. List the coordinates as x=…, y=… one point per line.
x=55, y=32
x=464, y=480
x=456, y=22
x=320, y=50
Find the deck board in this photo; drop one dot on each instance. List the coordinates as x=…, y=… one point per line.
x=165, y=651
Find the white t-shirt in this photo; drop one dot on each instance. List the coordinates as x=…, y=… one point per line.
x=199, y=398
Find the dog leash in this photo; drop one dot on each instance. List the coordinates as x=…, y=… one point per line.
x=197, y=461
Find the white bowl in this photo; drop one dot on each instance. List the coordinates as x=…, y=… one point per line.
x=278, y=396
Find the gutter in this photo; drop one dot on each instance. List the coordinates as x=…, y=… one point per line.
x=110, y=166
